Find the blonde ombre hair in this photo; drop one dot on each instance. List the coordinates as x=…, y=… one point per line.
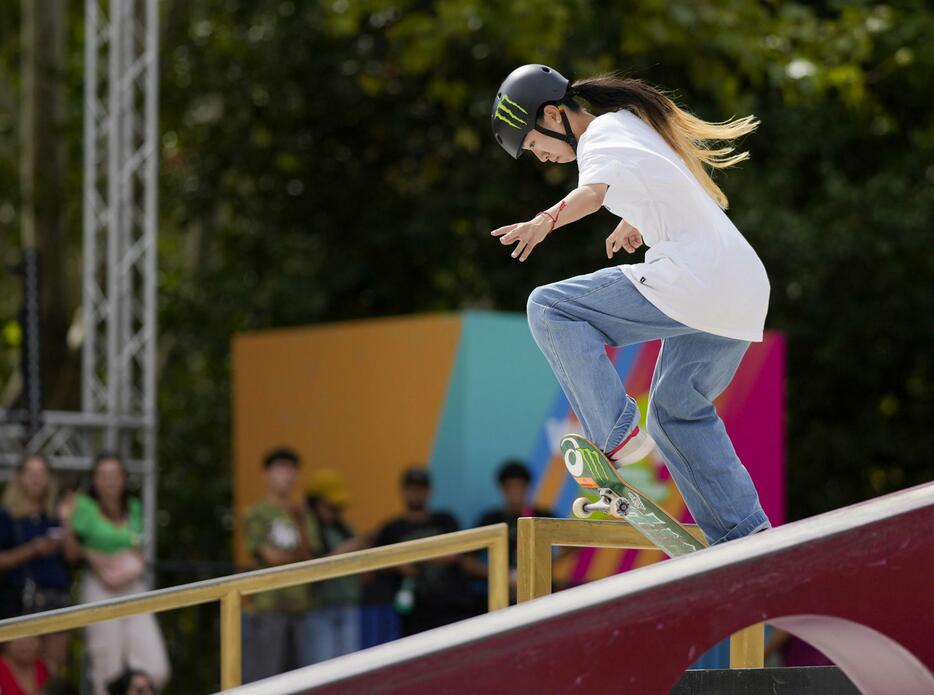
x=699, y=143
x=15, y=499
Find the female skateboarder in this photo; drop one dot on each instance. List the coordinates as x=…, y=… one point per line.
x=702, y=289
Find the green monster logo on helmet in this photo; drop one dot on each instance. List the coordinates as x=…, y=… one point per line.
x=503, y=113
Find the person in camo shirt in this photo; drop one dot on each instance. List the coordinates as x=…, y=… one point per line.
x=279, y=531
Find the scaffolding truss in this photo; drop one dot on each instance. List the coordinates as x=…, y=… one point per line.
x=121, y=149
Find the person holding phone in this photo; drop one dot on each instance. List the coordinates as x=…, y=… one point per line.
x=33, y=572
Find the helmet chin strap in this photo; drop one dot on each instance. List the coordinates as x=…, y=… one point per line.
x=568, y=134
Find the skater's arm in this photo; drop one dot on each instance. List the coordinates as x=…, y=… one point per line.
x=582, y=201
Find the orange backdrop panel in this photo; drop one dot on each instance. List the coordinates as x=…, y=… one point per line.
x=362, y=398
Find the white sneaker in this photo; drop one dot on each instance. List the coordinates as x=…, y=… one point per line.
x=632, y=449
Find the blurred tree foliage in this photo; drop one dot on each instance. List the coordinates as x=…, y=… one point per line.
x=332, y=160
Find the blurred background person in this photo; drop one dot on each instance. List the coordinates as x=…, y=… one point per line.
x=35, y=576
x=132, y=682
x=333, y=627
x=279, y=531
x=22, y=670
x=515, y=480
x=105, y=530
x=430, y=593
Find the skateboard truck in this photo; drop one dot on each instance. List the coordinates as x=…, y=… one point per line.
x=608, y=503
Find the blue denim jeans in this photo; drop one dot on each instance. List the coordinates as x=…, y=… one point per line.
x=574, y=320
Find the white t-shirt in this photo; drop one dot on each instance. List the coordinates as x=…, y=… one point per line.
x=698, y=270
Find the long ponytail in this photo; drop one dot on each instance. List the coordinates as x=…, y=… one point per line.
x=691, y=137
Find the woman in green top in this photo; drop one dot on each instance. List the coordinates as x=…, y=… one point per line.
x=105, y=529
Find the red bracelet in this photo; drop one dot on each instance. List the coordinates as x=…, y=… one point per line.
x=554, y=218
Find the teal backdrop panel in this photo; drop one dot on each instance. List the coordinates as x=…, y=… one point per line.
x=500, y=393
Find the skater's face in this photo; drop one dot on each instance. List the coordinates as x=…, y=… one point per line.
x=545, y=147
x=281, y=477
x=416, y=497
x=514, y=492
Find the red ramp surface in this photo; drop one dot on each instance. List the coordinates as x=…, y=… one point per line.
x=856, y=583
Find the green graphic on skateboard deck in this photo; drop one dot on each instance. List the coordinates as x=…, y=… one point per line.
x=593, y=471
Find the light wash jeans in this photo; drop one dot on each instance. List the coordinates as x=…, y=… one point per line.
x=573, y=320
x=330, y=632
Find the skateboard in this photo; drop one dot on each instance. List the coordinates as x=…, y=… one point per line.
x=594, y=472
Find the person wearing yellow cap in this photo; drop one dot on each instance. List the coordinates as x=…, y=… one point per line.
x=333, y=628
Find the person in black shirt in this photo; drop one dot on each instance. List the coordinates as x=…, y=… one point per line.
x=514, y=480
x=431, y=593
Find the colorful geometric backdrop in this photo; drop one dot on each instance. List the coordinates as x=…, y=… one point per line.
x=460, y=393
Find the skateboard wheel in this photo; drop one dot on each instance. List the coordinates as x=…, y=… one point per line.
x=619, y=508
x=579, y=508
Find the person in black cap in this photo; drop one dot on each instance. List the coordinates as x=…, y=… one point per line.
x=514, y=480
x=431, y=593
x=702, y=289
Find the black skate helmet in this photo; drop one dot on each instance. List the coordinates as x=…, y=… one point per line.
x=522, y=94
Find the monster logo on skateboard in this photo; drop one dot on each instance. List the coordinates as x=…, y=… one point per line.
x=594, y=472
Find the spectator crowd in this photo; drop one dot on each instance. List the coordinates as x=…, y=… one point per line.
x=288, y=628
x=47, y=536
x=59, y=547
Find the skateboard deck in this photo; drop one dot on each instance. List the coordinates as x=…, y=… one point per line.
x=594, y=472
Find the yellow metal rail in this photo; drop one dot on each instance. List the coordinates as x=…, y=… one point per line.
x=230, y=590
x=535, y=541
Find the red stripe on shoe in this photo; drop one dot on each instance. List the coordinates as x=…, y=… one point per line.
x=635, y=431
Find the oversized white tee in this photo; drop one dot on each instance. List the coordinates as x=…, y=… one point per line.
x=698, y=270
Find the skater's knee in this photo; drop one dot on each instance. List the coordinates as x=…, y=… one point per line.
x=662, y=409
x=667, y=404
x=537, y=306
x=538, y=298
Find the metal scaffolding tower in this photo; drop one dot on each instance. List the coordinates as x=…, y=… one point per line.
x=121, y=150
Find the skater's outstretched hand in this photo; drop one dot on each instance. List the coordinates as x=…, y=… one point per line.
x=583, y=200
x=625, y=236
x=528, y=235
